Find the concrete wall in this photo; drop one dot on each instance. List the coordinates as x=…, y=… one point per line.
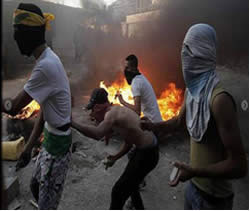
x=135, y=23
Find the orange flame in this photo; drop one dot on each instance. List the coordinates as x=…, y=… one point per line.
x=32, y=108
x=122, y=87
x=169, y=102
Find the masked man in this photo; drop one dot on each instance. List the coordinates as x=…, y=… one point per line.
x=127, y=123
x=209, y=114
x=144, y=97
x=49, y=86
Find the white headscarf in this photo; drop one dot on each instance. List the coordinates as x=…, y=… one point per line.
x=198, y=66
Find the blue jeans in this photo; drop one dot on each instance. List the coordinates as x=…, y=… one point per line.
x=196, y=199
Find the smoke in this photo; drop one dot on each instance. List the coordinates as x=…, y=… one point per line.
x=158, y=43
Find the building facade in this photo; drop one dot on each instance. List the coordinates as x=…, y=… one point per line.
x=94, y=4
x=123, y=8
x=135, y=14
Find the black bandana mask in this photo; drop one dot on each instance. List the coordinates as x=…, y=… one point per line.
x=129, y=75
x=28, y=41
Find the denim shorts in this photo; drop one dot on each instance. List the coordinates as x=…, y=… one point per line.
x=195, y=199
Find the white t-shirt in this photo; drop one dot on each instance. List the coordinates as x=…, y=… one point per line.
x=141, y=87
x=49, y=86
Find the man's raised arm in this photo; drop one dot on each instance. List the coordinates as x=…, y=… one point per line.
x=137, y=103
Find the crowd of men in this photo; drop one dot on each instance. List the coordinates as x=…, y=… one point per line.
x=208, y=113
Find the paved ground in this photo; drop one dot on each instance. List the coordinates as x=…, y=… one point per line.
x=88, y=184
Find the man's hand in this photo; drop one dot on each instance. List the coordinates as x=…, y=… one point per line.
x=185, y=173
x=23, y=160
x=117, y=94
x=120, y=98
x=146, y=124
x=109, y=161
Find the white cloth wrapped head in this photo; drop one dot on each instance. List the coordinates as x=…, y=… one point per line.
x=198, y=66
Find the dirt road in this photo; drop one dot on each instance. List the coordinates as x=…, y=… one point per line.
x=88, y=184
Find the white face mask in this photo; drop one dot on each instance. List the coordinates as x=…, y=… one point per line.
x=198, y=66
x=198, y=56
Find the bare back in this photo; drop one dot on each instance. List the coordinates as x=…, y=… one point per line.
x=127, y=123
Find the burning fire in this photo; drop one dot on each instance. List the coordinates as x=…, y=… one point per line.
x=124, y=89
x=169, y=102
x=27, y=111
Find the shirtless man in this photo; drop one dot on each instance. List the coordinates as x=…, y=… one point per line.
x=127, y=123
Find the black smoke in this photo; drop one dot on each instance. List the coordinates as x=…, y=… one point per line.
x=158, y=44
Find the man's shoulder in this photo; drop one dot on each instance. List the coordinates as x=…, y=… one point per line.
x=48, y=63
x=120, y=113
x=139, y=79
x=45, y=63
x=221, y=95
x=49, y=58
x=44, y=67
x=112, y=113
x=223, y=103
x=115, y=108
